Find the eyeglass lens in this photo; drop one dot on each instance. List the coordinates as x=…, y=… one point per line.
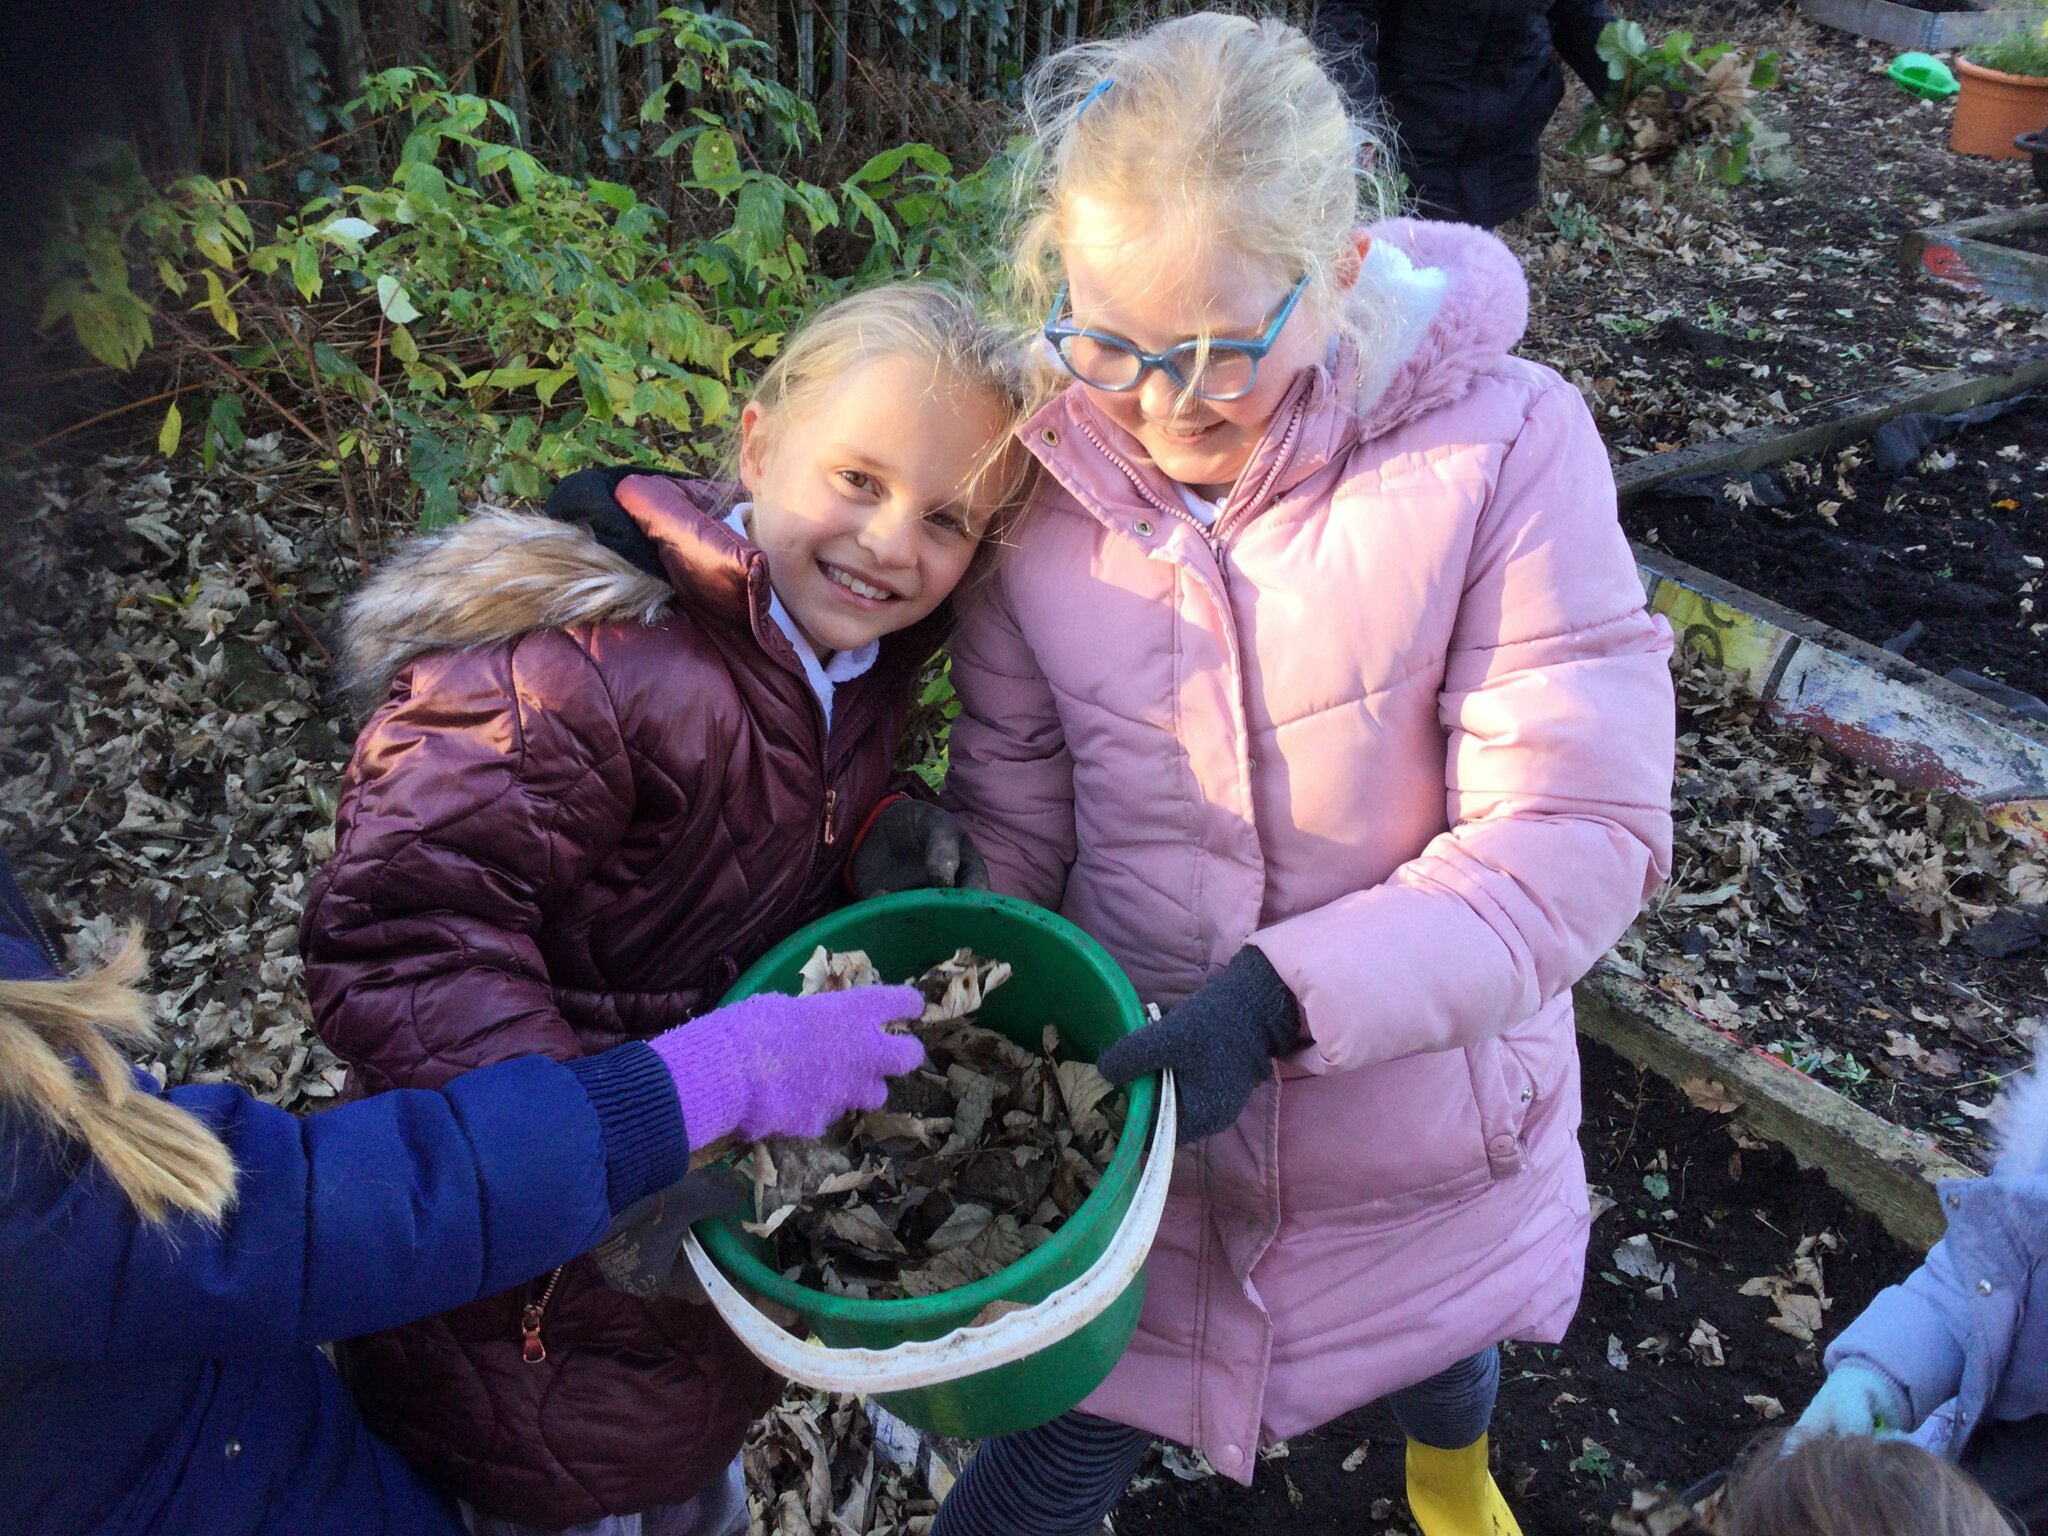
x=1226, y=373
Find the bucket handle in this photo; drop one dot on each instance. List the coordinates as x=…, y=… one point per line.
x=969, y=1349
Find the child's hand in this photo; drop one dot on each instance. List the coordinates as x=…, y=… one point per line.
x=1220, y=1043
x=1856, y=1399
x=642, y=1253
x=913, y=845
x=789, y=1066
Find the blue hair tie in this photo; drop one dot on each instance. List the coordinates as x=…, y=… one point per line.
x=1089, y=100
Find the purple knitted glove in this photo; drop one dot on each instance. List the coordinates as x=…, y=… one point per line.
x=788, y=1066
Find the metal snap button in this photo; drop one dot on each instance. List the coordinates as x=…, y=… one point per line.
x=1528, y=1094
x=1983, y=1287
x=1144, y=529
x=234, y=1449
x=1050, y=438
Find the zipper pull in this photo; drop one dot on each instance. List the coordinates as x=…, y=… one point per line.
x=531, y=1350
x=831, y=804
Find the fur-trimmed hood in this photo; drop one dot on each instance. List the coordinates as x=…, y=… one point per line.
x=1439, y=302
x=492, y=577
x=2023, y=1120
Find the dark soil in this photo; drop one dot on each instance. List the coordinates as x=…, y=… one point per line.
x=2033, y=238
x=1882, y=939
x=1958, y=550
x=1572, y=1432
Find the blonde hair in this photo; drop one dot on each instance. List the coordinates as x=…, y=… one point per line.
x=1854, y=1485
x=1211, y=126
x=928, y=322
x=163, y=1159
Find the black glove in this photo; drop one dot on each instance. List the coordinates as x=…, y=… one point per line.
x=914, y=844
x=642, y=1253
x=1220, y=1043
x=590, y=497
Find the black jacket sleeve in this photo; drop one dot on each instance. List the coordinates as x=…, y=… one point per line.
x=1347, y=34
x=1575, y=27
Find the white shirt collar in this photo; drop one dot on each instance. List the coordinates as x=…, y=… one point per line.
x=824, y=677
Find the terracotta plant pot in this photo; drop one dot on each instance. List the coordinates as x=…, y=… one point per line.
x=1994, y=108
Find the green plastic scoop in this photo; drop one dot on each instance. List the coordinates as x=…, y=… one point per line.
x=1923, y=75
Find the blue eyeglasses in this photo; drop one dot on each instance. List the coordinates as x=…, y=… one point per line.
x=1102, y=361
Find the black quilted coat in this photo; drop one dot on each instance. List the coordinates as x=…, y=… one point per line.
x=564, y=828
x=1467, y=86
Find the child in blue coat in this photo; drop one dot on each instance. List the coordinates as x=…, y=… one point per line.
x=171, y=1260
x=1957, y=1354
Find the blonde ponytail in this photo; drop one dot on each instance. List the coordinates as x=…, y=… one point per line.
x=163, y=1159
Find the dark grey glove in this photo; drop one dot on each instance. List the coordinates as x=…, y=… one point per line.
x=590, y=497
x=1220, y=1043
x=912, y=845
x=642, y=1253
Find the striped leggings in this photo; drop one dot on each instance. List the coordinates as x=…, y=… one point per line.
x=1062, y=1478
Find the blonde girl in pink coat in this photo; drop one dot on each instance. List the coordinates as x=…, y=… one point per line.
x=1318, y=686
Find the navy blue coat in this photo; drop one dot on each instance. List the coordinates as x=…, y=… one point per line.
x=1467, y=86
x=166, y=1380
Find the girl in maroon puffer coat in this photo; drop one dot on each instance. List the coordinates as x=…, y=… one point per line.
x=614, y=764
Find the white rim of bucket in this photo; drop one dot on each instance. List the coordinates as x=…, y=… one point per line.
x=970, y=1349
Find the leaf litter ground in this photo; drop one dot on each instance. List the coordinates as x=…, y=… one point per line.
x=976, y=1159
x=1718, y=1271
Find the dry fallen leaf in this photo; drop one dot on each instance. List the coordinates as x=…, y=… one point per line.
x=1704, y=1093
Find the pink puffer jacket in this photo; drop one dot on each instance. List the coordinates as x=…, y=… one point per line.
x=1400, y=720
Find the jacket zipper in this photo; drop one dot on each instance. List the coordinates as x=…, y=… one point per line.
x=531, y=1350
x=17, y=903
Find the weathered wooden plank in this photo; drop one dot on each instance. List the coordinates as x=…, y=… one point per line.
x=1884, y=1169
x=1868, y=704
x=1907, y=26
x=1858, y=416
x=1966, y=255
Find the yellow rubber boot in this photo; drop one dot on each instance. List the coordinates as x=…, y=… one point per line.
x=1451, y=1493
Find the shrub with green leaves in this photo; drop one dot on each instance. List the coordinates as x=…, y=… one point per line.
x=481, y=324
x=2024, y=52
x=1674, y=106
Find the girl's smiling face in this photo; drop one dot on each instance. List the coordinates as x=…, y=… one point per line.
x=868, y=501
x=1159, y=289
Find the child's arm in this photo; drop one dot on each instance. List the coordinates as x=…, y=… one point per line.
x=365, y=1216
x=1009, y=774
x=492, y=783
x=1912, y=1333
x=1557, y=710
x=1575, y=27
x=411, y=1202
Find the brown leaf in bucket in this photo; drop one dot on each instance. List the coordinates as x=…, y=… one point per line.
x=975, y=1159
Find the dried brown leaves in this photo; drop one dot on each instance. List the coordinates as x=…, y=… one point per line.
x=1762, y=811
x=975, y=1160
x=165, y=752
x=812, y=1470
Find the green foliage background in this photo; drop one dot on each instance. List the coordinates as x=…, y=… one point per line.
x=477, y=324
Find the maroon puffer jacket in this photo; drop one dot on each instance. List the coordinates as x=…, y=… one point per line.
x=591, y=798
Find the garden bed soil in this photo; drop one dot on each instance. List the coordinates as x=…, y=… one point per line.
x=1686, y=313
x=1574, y=1432
x=1883, y=939
x=1955, y=543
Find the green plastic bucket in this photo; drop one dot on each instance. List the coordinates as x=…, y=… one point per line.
x=925, y=1359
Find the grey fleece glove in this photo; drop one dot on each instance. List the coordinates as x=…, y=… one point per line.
x=914, y=845
x=642, y=1253
x=1220, y=1043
